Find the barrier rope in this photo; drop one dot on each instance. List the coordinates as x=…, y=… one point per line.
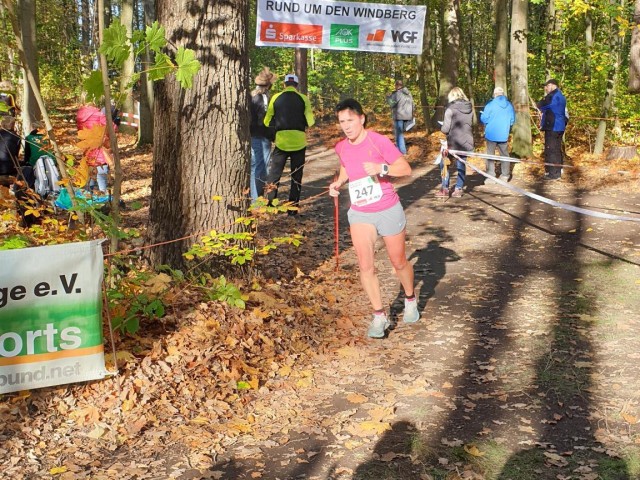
x=509, y=159
x=540, y=198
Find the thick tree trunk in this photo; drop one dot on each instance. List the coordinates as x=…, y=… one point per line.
x=301, y=69
x=450, y=55
x=145, y=122
x=502, y=45
x=634, y=54
x=202, y=134
x=125, y=100
x=521, y=146
x=27, y=15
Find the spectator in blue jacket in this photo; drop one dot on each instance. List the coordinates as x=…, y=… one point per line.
x=498, y=116
x=553, y=107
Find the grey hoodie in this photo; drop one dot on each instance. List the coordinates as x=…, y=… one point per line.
x=457, y=125
x=401, y=103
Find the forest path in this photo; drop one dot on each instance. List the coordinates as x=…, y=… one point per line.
x=523, y=352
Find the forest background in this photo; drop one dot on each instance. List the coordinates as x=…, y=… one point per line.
x=197, y=142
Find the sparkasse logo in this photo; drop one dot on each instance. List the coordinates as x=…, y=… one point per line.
x=378, y=36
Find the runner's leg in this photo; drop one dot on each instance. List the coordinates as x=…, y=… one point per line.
x=363, y=236
x=404, y=269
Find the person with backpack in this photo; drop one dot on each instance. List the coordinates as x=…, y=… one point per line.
x=402, y=106
x=36, y=144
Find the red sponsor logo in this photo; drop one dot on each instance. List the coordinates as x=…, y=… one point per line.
x=377, y=36
x=274, y=32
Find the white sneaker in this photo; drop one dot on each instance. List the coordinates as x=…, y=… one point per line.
x=411, y=314
x=378, y=326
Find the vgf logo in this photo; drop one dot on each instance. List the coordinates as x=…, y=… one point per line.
x=404, y=37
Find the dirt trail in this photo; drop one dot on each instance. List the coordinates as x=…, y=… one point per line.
x=522, y=365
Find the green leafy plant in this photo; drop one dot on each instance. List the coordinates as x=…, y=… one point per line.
x=219, y=289
x=117, y=47
x=241, y=247
x=15, y=242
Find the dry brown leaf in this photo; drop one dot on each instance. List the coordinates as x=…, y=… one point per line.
x=356, y=398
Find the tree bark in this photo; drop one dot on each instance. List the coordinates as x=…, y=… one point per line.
x=125, y=100
x=301, y=69
x=202, y=134
x=450, y=56
x=145, y=122
x=117, y=167
x=521, y=145
x=502, y=45
x=425, y=71
x=615, y=47
x=30, y=109
x=634, y=53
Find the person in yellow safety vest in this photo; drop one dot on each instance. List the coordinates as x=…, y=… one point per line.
x=7, y=99
x=289, y=112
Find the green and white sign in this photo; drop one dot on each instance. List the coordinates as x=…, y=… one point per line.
x=344, y=36
x=50, y=316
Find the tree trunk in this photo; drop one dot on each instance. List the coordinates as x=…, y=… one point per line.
x=117, y=167
x=615, y=47
x=466, y=62
x=634, y=53
x=125, y=100
x=550, y=61
x=145, y=122
x=87, y=35
x=425, y=71
x=521, y=146
x=301, y=69
x=202, y=142
x=502, y=45
x=588, y=40
x=27, y=15
x=450, y=55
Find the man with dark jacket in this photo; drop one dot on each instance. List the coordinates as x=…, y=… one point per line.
x=289, y=112
x=498, y=116
x=554, y=121
x=9, y=150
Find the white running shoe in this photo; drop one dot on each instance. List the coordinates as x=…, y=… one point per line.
x=411, y=314
x=378, y=325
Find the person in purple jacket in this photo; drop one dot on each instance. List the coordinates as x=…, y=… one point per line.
x=498, y=116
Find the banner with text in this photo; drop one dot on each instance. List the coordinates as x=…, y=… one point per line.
x=367, y=27
x=50, y=316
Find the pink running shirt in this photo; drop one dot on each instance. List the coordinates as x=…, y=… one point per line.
x=374, y=148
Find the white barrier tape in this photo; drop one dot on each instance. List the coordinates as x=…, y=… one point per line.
x=508, y=159
x=540, y=198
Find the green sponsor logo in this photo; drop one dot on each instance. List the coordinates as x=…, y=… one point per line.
x=344, y=36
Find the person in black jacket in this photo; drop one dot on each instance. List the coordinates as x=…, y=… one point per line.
x=261, y=135
x=9, y=150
